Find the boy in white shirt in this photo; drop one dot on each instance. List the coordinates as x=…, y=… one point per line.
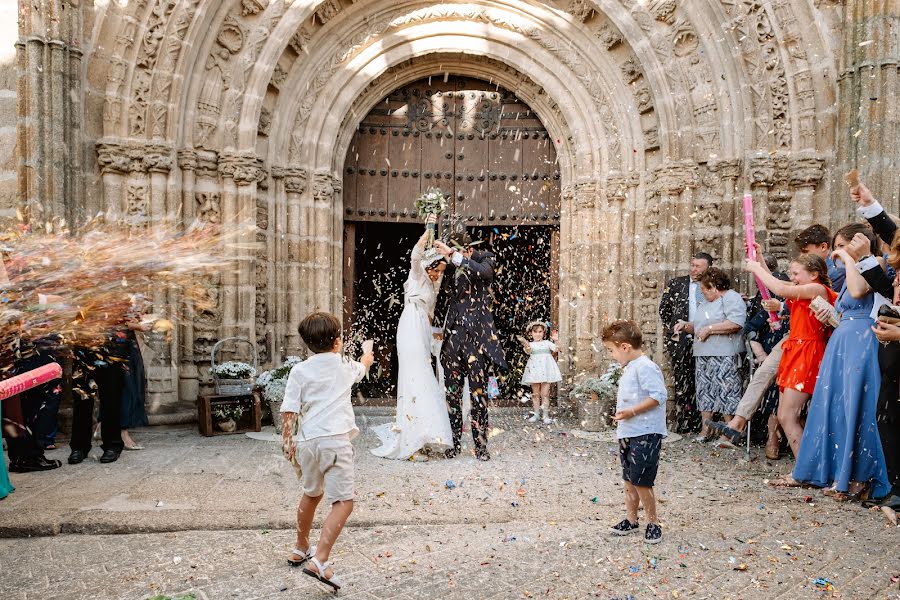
x=641, y=415
x=318, y=390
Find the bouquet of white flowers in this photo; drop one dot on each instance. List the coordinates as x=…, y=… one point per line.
x=596, y=413
x=432, y=202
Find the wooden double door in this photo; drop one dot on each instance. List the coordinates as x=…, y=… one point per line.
x=477, y=142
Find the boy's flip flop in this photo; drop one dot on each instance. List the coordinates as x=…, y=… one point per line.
x=333, y=582
x=296, y=562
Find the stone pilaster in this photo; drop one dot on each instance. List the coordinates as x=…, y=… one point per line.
x=188, y=374
x=324, y=272
x=619, y=218
x=586, y=251
x=868, y=136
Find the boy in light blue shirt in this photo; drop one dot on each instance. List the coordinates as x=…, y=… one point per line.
x=641, y=418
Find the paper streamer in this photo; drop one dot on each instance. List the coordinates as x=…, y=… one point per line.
x=31, y=379
x=750, y=243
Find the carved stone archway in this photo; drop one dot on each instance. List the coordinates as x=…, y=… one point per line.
x=238, y=111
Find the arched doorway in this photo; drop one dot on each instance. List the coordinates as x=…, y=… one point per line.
x=490, y=154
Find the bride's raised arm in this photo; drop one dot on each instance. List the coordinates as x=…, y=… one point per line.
x=418, y=253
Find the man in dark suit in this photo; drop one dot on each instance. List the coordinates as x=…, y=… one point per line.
x=679, y=303
x=471, y=344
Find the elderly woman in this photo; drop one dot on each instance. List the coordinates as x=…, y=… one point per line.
x=718, y=341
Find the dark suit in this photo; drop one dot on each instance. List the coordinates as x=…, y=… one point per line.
x=889, y=362
x=673, y=308
x=471, y=344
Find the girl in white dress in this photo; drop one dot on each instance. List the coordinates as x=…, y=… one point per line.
x=422, y=417
x=541, y=369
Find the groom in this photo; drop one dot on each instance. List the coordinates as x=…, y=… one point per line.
x=471, y=343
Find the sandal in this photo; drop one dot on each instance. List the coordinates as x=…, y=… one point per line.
x=785, y=481
x=333, y=582
x=305, y=556
x=733, y=435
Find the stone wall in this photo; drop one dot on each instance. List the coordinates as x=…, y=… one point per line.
x=8, y=108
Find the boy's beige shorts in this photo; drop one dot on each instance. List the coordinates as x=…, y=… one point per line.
x=327, y=465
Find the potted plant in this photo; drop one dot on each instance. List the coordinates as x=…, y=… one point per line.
x=596, y=398
x=273, y=383
x=228, y=416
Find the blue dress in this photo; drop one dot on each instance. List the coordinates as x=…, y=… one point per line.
x=5, y=486
x=840, y=442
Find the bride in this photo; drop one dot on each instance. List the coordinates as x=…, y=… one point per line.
x=422, y=419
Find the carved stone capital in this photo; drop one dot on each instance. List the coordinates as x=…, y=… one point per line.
x=295, y=178
x=726, y=169
x=761, y=170
x=242, y=168
x=155, y=158
x=617, y=185
x=673, y=178
x=187, y=160
x=113, y=157
x=325, y=185
x=806, y=171
x=585, y=194
x=663, y=10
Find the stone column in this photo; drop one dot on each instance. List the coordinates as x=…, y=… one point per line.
x=868, y=135
x=674, y=183
x=567, y=280
x=733, y=250
x=295, y=302
x=585, y=234
x=114, y=162
x=239, y=174
x=326, y=191
x=188, y=374
x=761, y=177
x=187, y=162
x=50, y=98
x=619, y=219
x=805, y=173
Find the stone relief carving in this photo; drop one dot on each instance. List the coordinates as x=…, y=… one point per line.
x=580, y=9
x=609, y=36
x=208, y=207
x=137, y=204
x=328, y=11
x=265, y=121
x=662, y=10
x=252, y=7
x=209, y=104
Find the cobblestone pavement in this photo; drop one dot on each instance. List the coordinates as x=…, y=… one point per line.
x=530, y=523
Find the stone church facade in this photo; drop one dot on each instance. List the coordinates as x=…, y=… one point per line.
x=661, y=114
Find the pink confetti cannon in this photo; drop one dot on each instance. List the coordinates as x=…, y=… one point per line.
x=750, y=242
x=31, y=379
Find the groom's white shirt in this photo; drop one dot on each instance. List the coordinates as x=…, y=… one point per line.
x=318, y=389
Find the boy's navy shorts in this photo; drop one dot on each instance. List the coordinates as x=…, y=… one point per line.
x=640, y=458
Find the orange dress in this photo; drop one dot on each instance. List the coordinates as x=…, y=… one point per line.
x=804, y=347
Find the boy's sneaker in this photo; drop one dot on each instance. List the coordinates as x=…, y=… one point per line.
x=653, y=534
x=624, y=527
x=533, y=418
x=548, y=420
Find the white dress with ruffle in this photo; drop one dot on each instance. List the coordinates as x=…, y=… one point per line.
x=541, y=366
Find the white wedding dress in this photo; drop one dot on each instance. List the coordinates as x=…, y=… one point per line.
x=422, y=417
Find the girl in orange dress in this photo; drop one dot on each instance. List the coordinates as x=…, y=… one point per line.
x=805, y=346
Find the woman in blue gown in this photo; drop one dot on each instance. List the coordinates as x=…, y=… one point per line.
x=5, y=486
x=840, y=448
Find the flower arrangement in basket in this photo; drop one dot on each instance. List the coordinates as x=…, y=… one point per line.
x=233, y=378
x=273, y=383
x=226, y=417
x=432, y=202
x=602, y=393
